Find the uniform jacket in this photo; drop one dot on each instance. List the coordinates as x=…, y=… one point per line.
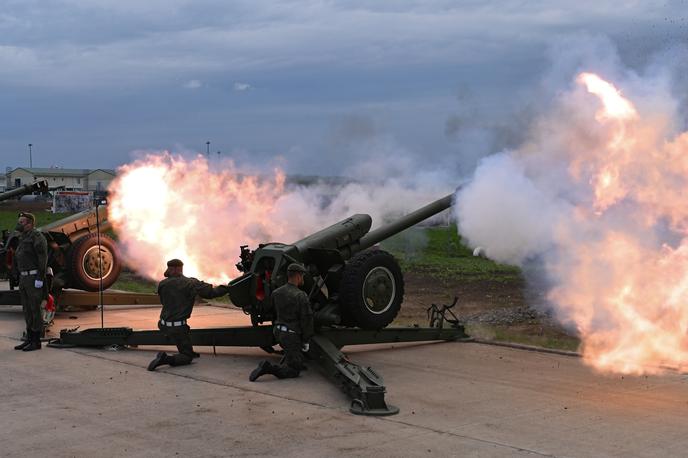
x=32, y=253
x=293, y=310
x=178, y=295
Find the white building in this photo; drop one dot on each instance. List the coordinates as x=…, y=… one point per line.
x=99, y=179
x=69, y=179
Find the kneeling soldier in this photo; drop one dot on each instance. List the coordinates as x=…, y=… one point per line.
x=178, y=295
x=293, y=326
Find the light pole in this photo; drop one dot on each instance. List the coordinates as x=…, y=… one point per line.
x=207, y=150
x=218, y=157
x=30, y=157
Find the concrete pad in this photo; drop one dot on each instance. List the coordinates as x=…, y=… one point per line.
x=456, y=399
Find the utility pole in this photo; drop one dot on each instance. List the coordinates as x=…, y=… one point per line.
x=30, y=156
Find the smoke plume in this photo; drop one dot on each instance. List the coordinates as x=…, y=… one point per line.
x=595, y=194
x=170, y=206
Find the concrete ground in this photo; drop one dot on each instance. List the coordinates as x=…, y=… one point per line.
x=456, y=399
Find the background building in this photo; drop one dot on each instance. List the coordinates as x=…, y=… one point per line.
x=68, y=179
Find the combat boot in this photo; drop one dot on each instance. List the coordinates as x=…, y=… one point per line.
x=34, y=342
x=264, y=367
x=26, y=342
x=160, y=360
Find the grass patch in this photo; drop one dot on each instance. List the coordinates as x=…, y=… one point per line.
x=440, y=251
x=131, y=282
x=539, y=336
x=8, y=218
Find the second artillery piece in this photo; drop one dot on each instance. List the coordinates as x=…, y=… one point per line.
x=79, y=256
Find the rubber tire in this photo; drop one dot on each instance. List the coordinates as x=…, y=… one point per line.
x=354, y=310
x=78, y=278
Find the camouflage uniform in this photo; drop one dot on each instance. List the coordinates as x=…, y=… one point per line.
x=178, y=295
x=32, y=256
x=294, y=314
x=293, y=328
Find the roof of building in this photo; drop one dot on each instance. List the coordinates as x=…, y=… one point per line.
x=53, y=171
x=108, y=171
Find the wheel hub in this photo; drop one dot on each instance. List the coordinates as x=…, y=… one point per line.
x=379, y=290
x=92, y=262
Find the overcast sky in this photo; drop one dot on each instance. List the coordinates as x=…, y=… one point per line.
x=316, y=83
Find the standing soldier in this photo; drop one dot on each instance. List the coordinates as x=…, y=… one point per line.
x=178, y=295
x=31, y=261
x=293, y=326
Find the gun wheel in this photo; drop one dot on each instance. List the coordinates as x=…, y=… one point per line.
x=372, y=290
x=86, y=260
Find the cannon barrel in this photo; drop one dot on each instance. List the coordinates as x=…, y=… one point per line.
x=386, y=231
x=339, y=236
x=41, y=185
x=353, y=234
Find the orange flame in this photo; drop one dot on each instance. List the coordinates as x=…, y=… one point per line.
x=614, y=105
x=164, y=207
x=626, y=290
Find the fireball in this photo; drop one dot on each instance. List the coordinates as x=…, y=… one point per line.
x=164, y=206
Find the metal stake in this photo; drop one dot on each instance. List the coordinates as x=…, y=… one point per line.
x=100, y=269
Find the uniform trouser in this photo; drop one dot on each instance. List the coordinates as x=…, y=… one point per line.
x=181, y=337
x=31, y=298
x=292, y=363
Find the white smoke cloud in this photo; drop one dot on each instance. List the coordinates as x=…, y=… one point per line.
x=595, y=194
x=505, y=212
x=517, y=200
x=159, y=202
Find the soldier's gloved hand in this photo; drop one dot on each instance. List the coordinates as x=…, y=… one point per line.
x=305, y=347
x=38, y=283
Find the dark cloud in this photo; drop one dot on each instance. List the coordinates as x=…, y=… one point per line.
x=89, y=81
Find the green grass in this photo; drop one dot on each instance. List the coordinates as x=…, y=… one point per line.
x=440, y=251
x=135, y=284
x=8, y=218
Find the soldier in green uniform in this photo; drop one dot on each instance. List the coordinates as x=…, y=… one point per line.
x=178, y=295
x=293, y=326
x=30, y=262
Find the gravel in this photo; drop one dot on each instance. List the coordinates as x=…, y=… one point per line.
x=509, y=316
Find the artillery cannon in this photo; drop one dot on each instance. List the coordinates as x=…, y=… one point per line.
x=76, y=250
x=41, y=186
x=349, y=283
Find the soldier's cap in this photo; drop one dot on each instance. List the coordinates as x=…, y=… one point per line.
x=175, y=263
x=296, y=267
x=28, y=216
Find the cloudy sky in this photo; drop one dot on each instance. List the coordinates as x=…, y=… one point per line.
x=311, y=85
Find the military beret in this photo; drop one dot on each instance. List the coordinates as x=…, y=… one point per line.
x=296, y=267
x=174, y=263
x=28, y=216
